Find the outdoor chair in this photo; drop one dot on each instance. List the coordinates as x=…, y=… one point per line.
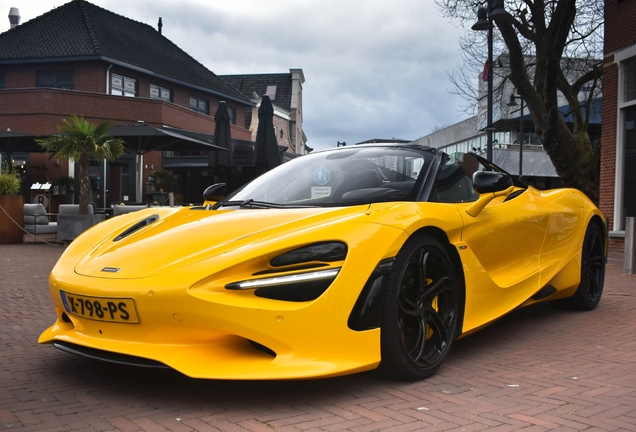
x=36, y=220
x=72, y=209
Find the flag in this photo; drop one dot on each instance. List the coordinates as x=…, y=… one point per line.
x=484, y=74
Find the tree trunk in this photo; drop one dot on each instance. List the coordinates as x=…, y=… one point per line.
x=84, y=191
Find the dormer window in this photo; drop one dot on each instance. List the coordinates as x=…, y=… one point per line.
x=271, y=92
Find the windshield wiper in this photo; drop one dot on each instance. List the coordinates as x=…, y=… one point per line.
x=250, y=203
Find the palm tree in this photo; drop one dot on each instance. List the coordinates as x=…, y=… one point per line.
x=80, y=140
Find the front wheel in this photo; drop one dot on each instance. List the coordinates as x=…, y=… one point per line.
x=588, y=294
x=420, y=310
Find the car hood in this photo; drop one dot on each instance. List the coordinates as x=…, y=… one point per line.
x=187, y=236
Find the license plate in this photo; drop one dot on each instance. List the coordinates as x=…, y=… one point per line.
x=121, y=310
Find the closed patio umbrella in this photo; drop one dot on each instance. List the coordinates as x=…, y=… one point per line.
x=222, y=162
x=267, y=153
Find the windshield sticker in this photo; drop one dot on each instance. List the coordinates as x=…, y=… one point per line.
x=320, y=191
x=322, y=176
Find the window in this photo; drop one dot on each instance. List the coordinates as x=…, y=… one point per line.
x=3, y=80
x=199, y=105
x=123, y=86
x=158, y=92
x=232, y=111
x=629, y=176
x=271, y=92
x=629, y=76
x=624, y=191
x=55, y=79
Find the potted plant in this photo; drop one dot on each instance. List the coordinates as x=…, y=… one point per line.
x=66, y=186
x=160, y=180
x=80, y=140
x=11, y=207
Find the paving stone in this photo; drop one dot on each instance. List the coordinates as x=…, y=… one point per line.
x=536, y=369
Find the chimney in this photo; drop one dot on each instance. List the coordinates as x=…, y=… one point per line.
x=14, y=17
x=159, y=25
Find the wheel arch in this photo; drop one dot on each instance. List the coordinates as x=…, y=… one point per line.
x=439, y=235
x=600, y=222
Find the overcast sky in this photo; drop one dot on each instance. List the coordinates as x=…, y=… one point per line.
x=373, y=68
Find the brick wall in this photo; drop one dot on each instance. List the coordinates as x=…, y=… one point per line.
x=41, y=111
x=91, y=77
x=620, y=32
x=283, y=125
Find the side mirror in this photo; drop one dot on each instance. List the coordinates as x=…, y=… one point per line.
x=489, y=185
x=216, y=192
x=491, y=181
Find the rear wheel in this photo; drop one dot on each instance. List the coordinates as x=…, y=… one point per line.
x=419, y=311
x=589, y=292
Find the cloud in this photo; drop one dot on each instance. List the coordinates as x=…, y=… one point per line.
x=373, y=69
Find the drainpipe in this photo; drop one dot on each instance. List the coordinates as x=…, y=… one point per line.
x=108, y=78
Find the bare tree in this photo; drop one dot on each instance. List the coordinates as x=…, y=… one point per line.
x=555, y=48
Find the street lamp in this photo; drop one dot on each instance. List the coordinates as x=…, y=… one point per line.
x=513, y=103
x=485, y=17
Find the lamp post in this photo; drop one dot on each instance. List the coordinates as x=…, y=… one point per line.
x=512, y=103
x=485, y=17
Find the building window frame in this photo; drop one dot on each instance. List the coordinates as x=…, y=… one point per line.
x=271, y=91
x=623, y=59
x=121, y=85
x=161, y=93
x=200, y=105
x=60, y=79
x=232, y=112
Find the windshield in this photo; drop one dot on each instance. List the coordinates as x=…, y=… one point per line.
x=342, y=177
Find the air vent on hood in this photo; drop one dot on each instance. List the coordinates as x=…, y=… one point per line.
x=136, y=227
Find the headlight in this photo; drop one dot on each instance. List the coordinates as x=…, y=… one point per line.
x=303, y=284
x=297, y=287
x=284, y=280
x=325, y=251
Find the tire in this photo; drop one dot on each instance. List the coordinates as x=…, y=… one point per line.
x=420, y=310
x=588, y=294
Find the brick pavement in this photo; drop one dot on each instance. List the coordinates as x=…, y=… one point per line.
x=537, y=369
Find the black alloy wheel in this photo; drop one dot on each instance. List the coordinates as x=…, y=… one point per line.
x=420, y=310
x=588, y=294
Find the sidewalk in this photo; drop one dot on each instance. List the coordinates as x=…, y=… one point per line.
x=538, y=369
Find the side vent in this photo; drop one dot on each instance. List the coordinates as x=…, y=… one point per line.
x=136, y=227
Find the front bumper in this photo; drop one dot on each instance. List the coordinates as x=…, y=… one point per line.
x=206, y=331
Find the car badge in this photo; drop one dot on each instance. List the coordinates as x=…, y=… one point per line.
x=111, y=269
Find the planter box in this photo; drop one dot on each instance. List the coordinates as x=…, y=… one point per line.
x=13, y=205
x=70, y=226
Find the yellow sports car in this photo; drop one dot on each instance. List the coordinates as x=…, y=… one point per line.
x=337, y=262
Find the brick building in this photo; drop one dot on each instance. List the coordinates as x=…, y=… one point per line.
x=285, y=90
x=82, y=59
x=618, y=137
